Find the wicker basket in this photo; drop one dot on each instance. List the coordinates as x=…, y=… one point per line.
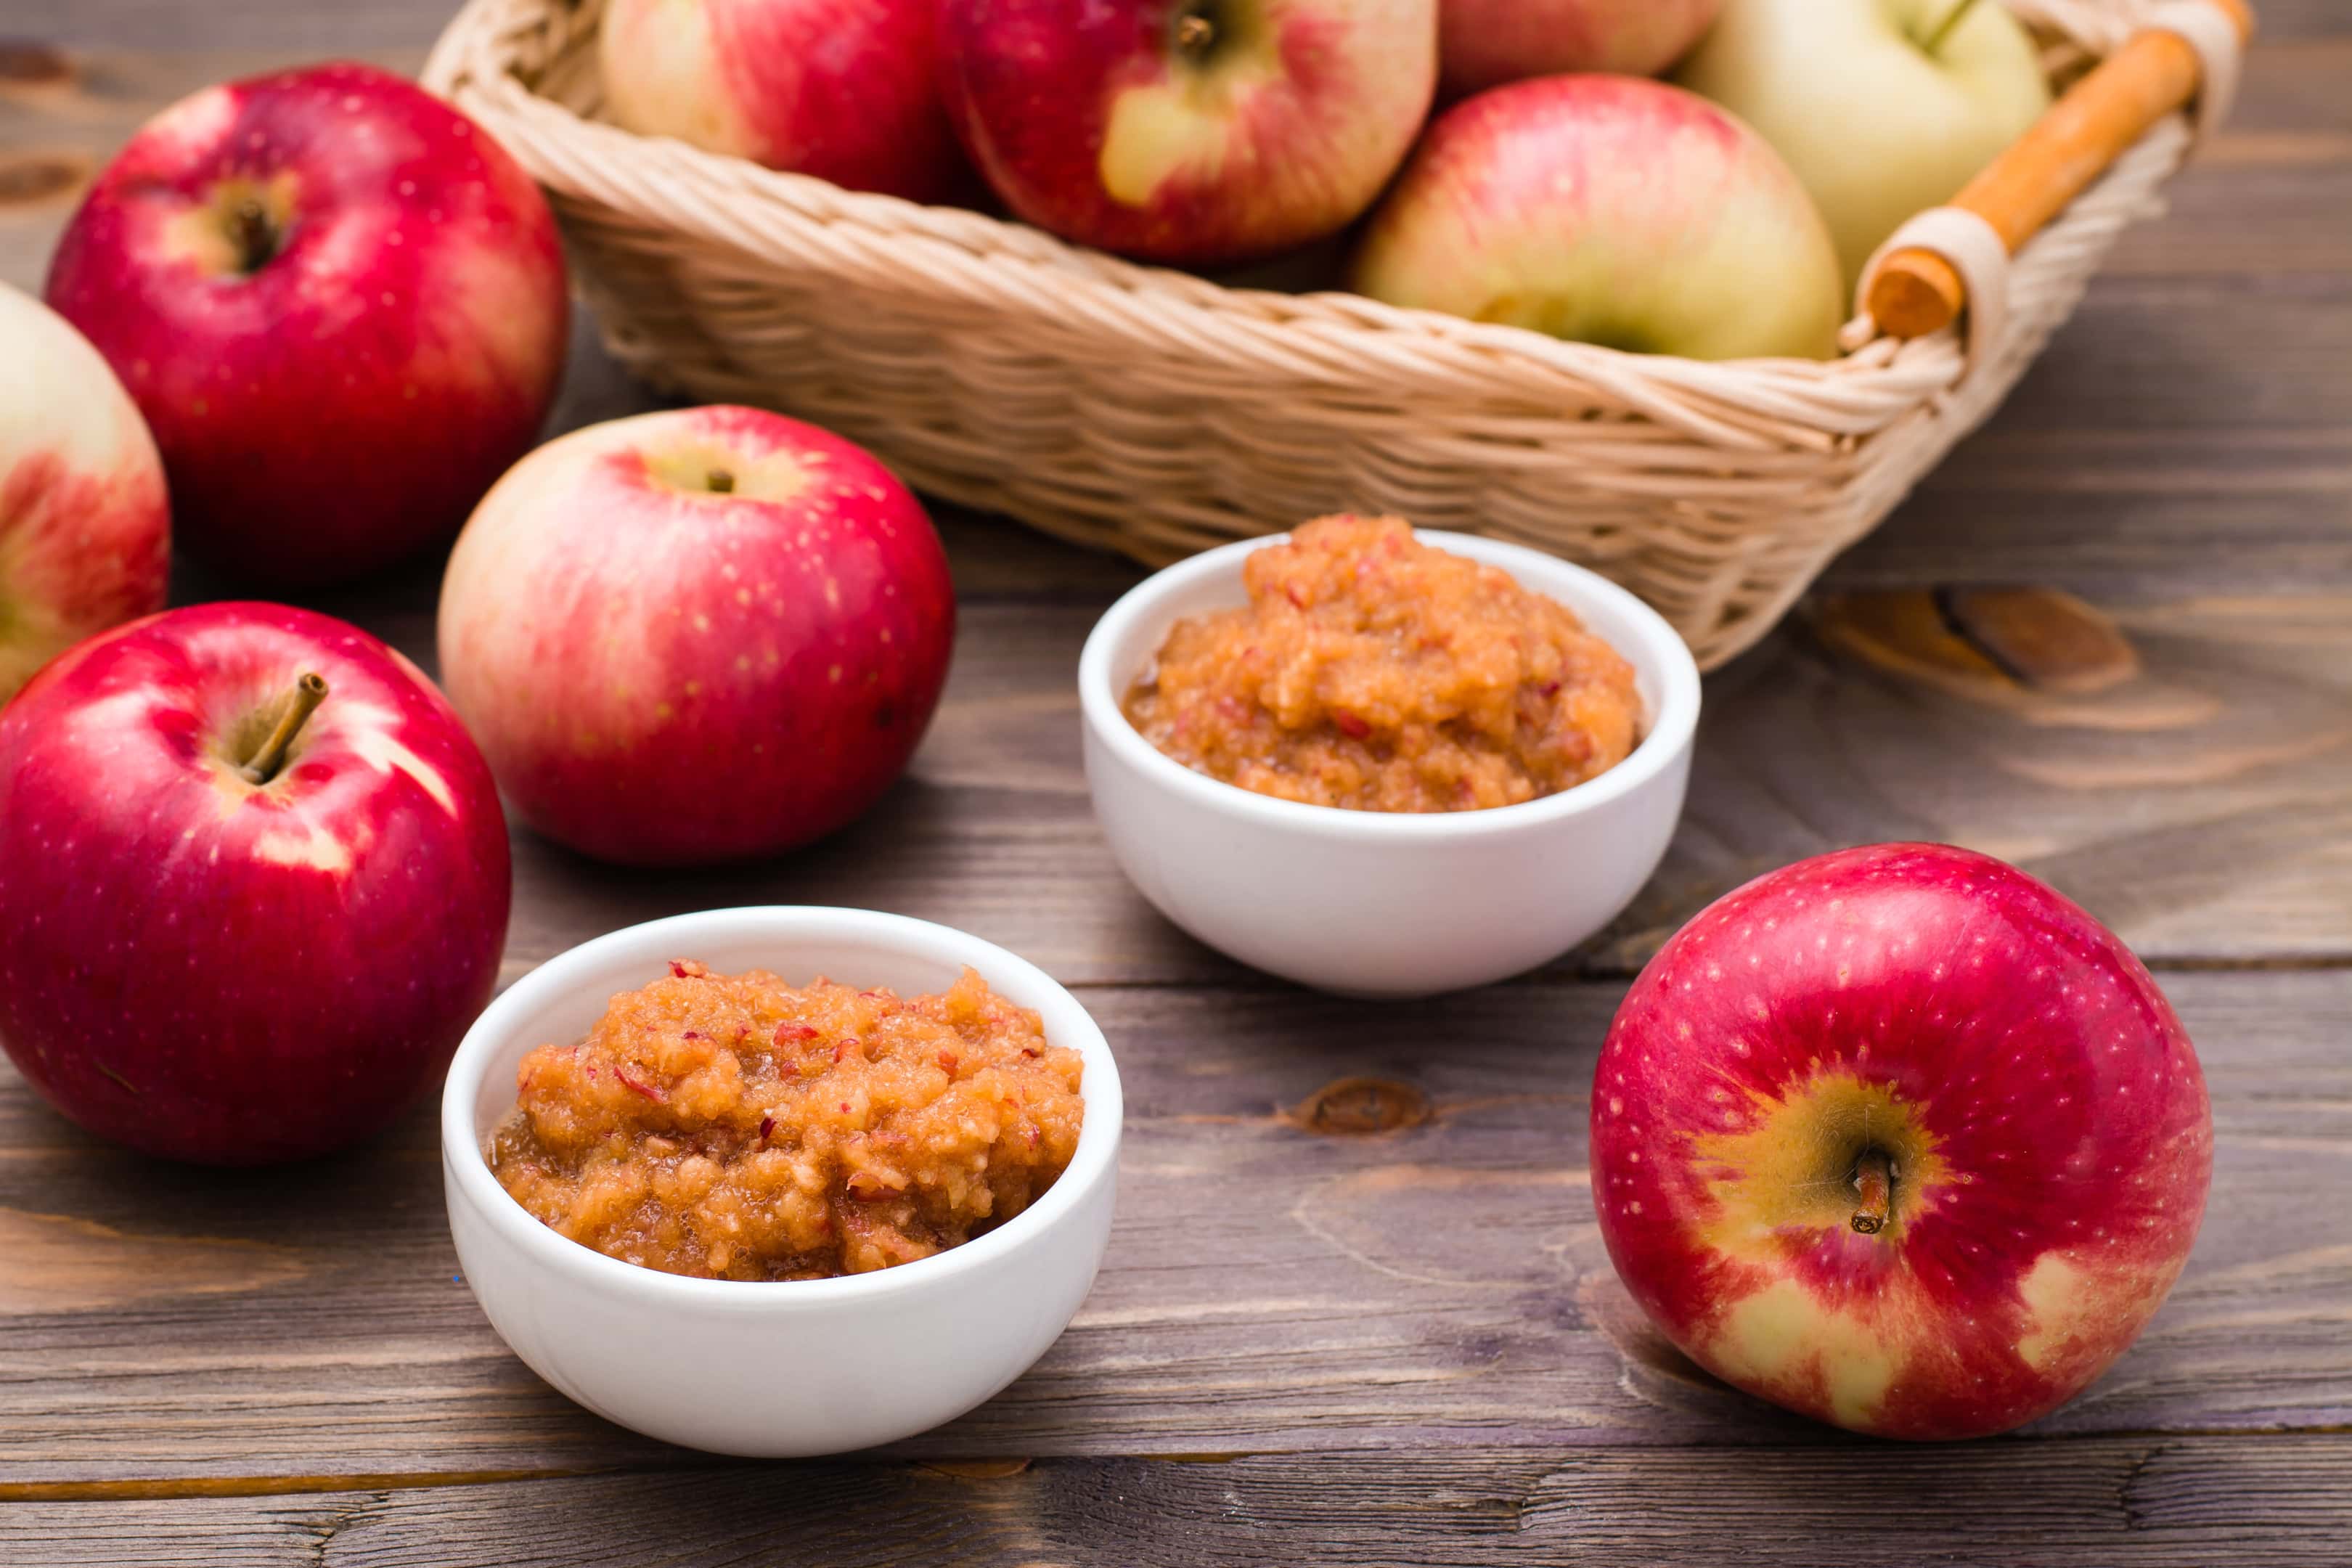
x=1157, y=413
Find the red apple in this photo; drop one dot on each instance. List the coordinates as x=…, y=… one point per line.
x=338, y=304
x=1899, y=1138
x=215, y=949
x=843, y=89
x=1486, y=43
x=1609, y=210
x=1188, y=130
x=697, y=635
x=85, y=535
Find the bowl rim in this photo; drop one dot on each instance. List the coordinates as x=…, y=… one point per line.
x=1066, y=1020
x=1660, y=651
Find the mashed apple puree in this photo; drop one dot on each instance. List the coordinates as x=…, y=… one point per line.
x=1371, y=671
x=735, y=1127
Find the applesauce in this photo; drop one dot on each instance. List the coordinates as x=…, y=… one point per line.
x=1374, y=672
x=735, y=1127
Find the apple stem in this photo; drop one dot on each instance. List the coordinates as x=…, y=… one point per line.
x=1952, y=19
x=720, y=482
x=1873, y=1181
x=255, y=234
x=300, y=703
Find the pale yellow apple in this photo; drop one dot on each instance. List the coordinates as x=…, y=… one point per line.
x=85, y=530
x=1877, y=126
x=1611, y=210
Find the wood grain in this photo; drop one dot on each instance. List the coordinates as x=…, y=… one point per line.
x=1800, y=750
x=2216, y=828
x=2157, y=1502
x=2176, y=411
x=59, y=1264
x=1269, y=1287
x=1343, y=1323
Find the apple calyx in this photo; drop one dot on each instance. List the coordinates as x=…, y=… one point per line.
x=1943, y=29
x=238, y=227
x=300, y=703
x=255, y=237
x=1874, y=1185
x=720, y=482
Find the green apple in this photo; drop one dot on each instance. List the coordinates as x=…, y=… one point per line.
x=1884, y=108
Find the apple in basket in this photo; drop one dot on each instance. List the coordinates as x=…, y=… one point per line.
x=1611, y=210
x=696, y=635
x=85, y=534
x=1486, y=43
x=253, y=883
x=843, y=89
x=1899, y=1138
x=1885, y=107
x=340, y=306
x=1188, y=130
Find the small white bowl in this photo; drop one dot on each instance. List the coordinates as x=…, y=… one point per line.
x=1371, y=903
x=791, y=1368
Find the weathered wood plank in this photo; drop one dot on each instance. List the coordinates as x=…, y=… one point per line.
x=2149, y=1502
x=2214, y=827
x=1267, y=1289
x=1420, y=1330
x=2173, y=412
x=275, y=26
x=2202, y=809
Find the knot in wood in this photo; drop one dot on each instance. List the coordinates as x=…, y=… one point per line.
x=27, y=180
x=975, y=1470
x=28, y=62
x=1357, y=1107
x=2008, y=646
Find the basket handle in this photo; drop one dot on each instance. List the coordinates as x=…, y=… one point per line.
x=1913, y=291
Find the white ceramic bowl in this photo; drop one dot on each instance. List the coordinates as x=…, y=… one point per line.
x=797, y=1367
x=1382, y=903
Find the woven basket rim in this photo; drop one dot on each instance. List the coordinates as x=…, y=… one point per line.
x=993, y=364
x=1753, y=405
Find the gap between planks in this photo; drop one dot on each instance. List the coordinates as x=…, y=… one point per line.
x=160, y=1489
x=1612, y=974
x=168, y=1489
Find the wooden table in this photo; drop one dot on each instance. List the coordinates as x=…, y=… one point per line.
x=1400, y=1347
